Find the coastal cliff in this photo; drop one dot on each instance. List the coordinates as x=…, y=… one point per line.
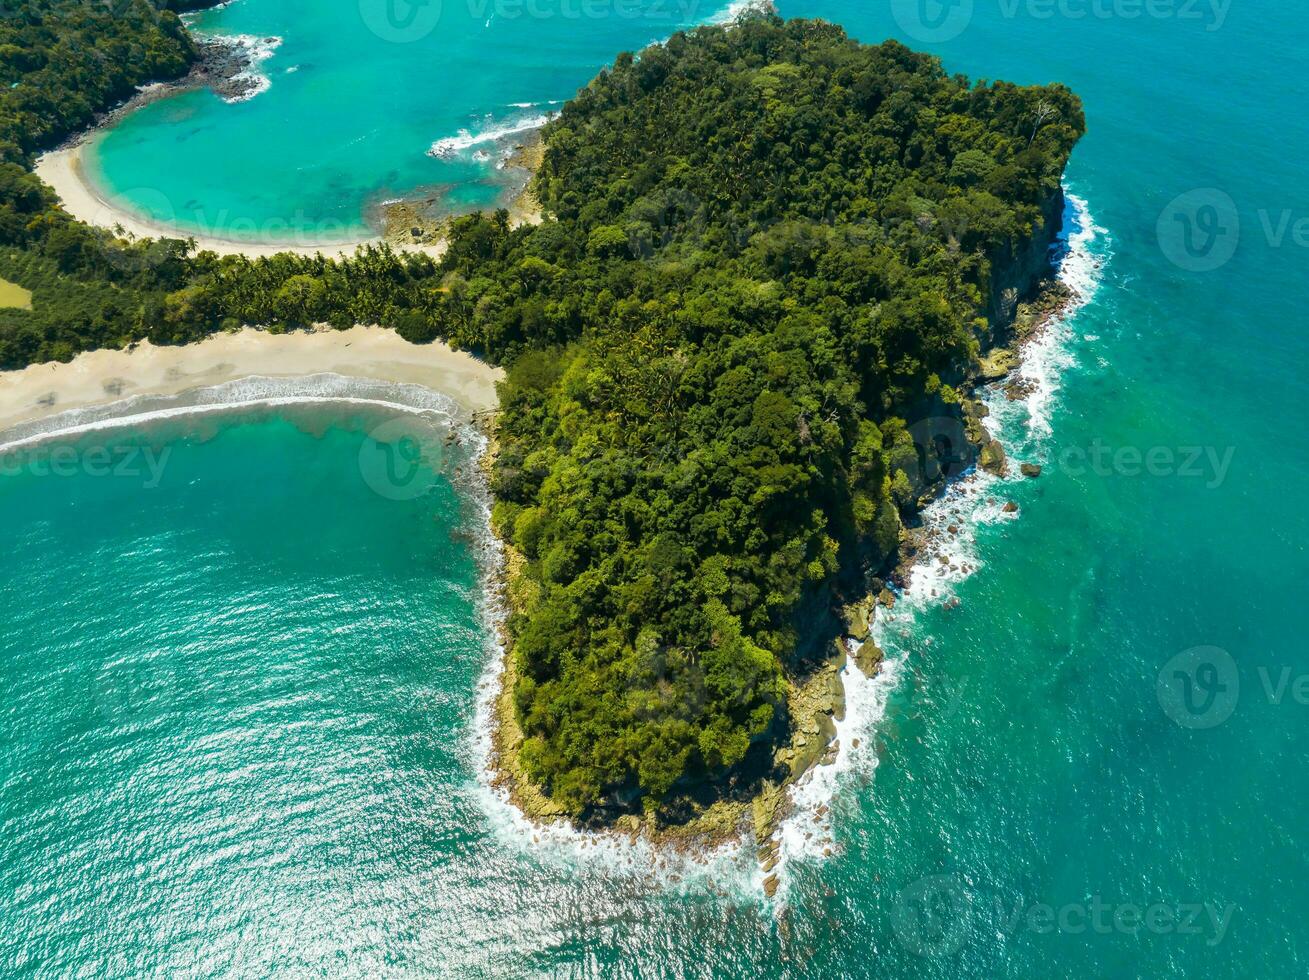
x=1020, y=267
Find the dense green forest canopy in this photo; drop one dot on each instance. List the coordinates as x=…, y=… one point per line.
x=763, y=246
x=62, y=61
x=773, y=242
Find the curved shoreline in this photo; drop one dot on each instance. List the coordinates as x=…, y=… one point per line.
x=64, y=169
x=101, y=378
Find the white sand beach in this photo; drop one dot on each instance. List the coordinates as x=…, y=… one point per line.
x=106, y=376
x=64, y=170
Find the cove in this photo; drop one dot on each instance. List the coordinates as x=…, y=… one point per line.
x=357, y=96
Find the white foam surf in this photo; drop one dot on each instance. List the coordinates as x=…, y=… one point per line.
x=739, y=8
x=251, y=392
x=449, y=147
x=1025, y=424
x=255, y=51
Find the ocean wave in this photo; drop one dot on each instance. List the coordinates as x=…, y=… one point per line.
x=738, y=9
x=450, y=146
x=251, y=392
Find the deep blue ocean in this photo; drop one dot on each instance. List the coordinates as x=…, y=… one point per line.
x=240, y=723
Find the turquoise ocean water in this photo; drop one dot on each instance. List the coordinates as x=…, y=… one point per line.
x=239, y=721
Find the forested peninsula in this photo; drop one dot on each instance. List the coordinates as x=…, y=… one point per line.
x=738, y=345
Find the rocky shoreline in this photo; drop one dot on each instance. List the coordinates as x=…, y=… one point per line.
x=820, y=698
x=225, y=65
x=420, y=218
x=816, y=700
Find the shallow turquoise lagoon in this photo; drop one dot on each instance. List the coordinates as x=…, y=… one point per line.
x=238, y=722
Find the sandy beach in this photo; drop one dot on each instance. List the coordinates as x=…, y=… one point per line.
x=106, y=376
x=63, y=169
